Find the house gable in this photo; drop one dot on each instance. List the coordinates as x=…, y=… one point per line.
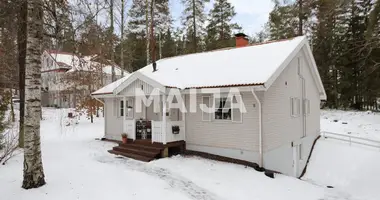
x=138, y=78
x=303, y=46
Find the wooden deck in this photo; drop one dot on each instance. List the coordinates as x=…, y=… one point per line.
x=145, y=150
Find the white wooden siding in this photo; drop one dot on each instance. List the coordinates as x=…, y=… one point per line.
x=131, y=88
x=279, y=127
x=224, y=134
x=114, y=124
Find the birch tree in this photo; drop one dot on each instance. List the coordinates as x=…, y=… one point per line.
x=111, y=38
x=33, y=170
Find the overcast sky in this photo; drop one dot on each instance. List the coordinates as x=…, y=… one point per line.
x=251, y=14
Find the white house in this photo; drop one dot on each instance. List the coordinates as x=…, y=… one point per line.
x=57, y=65
x=278, y=83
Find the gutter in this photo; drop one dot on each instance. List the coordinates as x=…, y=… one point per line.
x=261, y=160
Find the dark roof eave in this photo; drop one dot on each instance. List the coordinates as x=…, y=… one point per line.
x=105, y=93
x=223, y=86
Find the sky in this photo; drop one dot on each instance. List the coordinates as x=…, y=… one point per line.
x=251, y=14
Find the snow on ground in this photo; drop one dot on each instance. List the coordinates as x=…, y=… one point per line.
x=359, y=123
x=353, y=170
x=79, y=167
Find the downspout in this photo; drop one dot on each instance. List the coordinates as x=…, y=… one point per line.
x=261, y=160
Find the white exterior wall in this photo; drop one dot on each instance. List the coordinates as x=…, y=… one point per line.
x=225, y=138
x=131, y=88
x=113, y=123
x=280, y=128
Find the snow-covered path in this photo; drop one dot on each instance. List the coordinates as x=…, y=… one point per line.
x=79, y=167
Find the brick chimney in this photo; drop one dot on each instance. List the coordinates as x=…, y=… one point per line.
x=241, y=40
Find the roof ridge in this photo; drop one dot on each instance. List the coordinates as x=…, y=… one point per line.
x=231, y=48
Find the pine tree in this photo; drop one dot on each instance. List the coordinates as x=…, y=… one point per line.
x=221, y=27
x=138, y=28
x=193, y=21
x=169, y=46
x=283, y=22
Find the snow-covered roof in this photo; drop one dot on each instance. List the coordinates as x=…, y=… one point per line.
x=74, y=63
x=64, y=59
x=251, y=65
x=258, y=64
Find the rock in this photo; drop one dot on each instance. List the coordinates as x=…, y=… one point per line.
x=335, y=120
x=344, y=123
x=329, y=186
x=269, y=173
x=259, y=169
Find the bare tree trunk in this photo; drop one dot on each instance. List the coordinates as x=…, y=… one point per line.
x=152, y=36
x=195, y=29
x=147, y=32
x=12, y=108
x=300, y=17
x=111, y=35
x=160, y=44
x=21, y=43
x=122, y=38
x=33, y=170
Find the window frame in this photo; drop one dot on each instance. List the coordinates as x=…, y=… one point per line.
x=233, y=108
x=295, y=101
x=230, y=108
x=129, y=114
x=209, y=104
x=121, y=108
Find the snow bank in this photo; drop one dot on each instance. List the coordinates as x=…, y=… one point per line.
x=79, y=167
x=230, y=181
x=360, y=124
x=350, y=169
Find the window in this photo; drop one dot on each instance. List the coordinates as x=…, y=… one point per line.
x=237, y=115
x=306, y=106
x=121, y=108
x=206, y=101
x=129, y=106
x=295, y=106
x=222, y=109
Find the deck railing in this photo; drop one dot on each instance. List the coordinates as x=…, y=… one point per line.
x=131, y=128
x=158, y=136
x=352, y=139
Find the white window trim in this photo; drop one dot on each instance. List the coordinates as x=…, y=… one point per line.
x=119, y=108
x=214, y=108
x=129, y=115
x=232, y=111
x=209, y=103
x=306, y=108
x=298, y=103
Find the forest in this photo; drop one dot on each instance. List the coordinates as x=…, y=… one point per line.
x=344, y=36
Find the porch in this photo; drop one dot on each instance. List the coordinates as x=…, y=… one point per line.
x=151, y=135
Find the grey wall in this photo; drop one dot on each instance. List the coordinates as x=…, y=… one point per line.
x=225, y=138
x=280, y=128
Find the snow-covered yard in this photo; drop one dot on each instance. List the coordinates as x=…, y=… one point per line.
x=79, y=167
x=355, y=123
x=353, y=170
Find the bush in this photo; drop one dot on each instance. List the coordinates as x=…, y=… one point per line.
x=5, y=100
